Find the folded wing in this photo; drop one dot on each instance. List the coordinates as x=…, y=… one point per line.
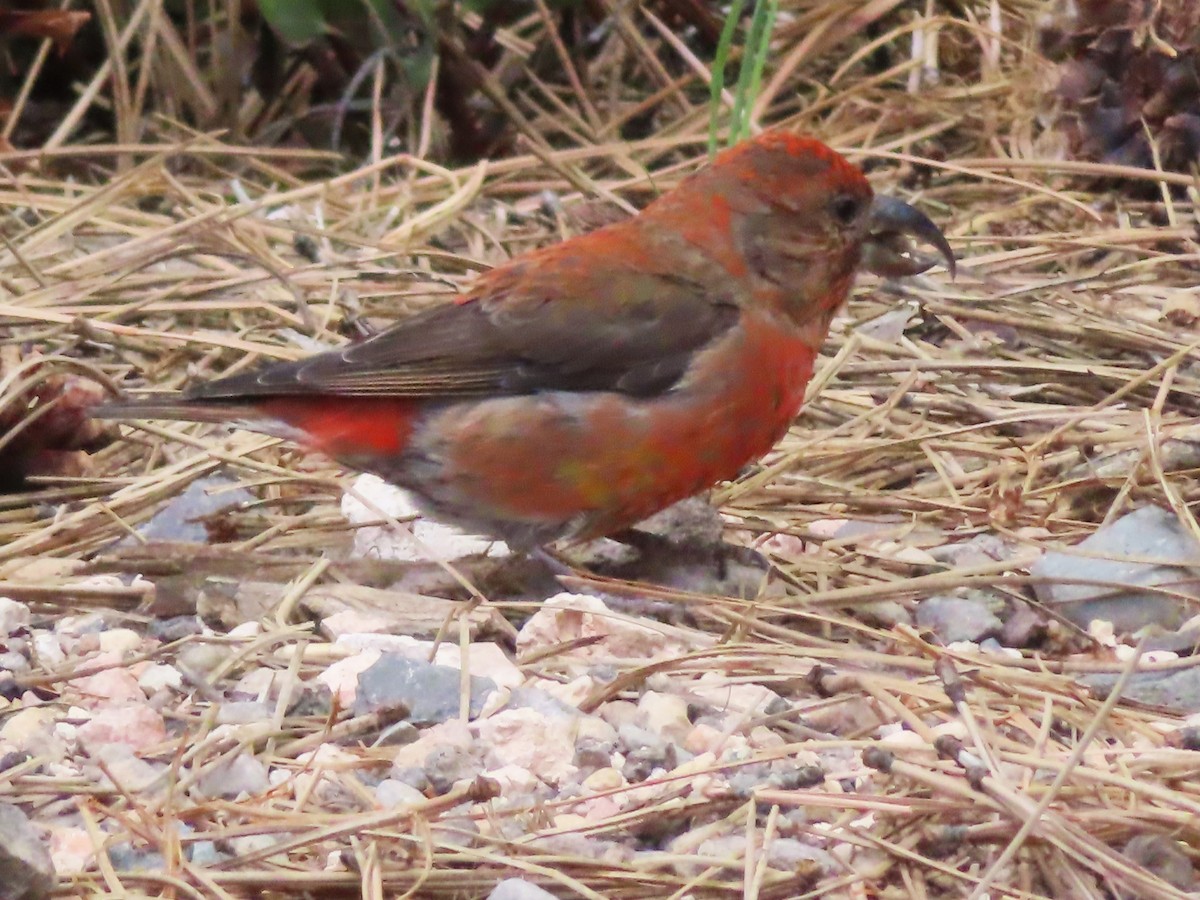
x=559, y=319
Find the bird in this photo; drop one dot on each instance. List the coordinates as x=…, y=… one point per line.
x=579, y=388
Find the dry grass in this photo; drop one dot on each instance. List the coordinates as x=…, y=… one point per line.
x=1043, y=392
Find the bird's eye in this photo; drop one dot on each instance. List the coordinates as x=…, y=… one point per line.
x=846, y=208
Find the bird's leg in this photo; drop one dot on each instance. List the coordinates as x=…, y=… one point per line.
x=642, y=541
x=559, y=566
x=553, y=561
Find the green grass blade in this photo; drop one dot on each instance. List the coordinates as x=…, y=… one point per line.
x=717, y=84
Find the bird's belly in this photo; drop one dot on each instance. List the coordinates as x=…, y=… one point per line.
x=592, y=463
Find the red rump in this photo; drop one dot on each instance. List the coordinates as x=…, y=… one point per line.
x=345, y=426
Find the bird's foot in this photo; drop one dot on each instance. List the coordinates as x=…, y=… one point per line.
x=682, y=547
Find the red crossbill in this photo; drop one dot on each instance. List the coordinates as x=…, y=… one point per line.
x=580, y=388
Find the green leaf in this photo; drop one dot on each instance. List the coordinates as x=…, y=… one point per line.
x=367, y=24
x=297, y=21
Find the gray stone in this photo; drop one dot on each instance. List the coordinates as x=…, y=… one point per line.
x=1164, y=857
x=952, y=619
x=1178, y=690
x=429, y=693
x=177, y=519
x=249, y=844
x=978, y=551
x=174, y=628
x=592, y=753
x=413, y=776
x=1146, y=548
x=126, y=771
x=204, y=853
x=26, y=872
x=126, y=858
x=447, y=765
x=1024, y=625
x=391, y=793
x=519, y=889
x=645, y=751
x=397, y=734
x=522, y=697
x=241, y=774
x=13, y=662
x=884, y=614
x=244, y=712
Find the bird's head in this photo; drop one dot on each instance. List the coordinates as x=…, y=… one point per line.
x=805, y=220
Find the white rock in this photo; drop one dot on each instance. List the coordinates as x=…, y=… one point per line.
x=607, y=779
x=572, y=692
x=485, y=659
x=519, y=889
x=31, y=730
x=108, y=686
x=253, y=843
x=445, y=734
x=514, y=780
x=342, y=676
x=48, y=649
x=403, y=644
x=323, y=772
x=128, y=771
x=391, y=793
x=258, y=683
x=122, y=641
x=157, y=677
x=527, y=738
x=240, y=774
x=666, y=713
x=135, y=725
x=13, y=615
x=717, y=689
x=414, y=541
x=567, y=618
x=71, y=849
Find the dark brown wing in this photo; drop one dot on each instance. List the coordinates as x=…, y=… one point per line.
x=553, y=321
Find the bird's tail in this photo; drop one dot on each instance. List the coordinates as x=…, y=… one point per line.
x=341, y=427
x=182, y=410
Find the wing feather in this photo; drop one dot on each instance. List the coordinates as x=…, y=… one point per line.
x=553, y=320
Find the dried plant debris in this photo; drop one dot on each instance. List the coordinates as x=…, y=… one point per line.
x=44, y=424
x=1129, y=80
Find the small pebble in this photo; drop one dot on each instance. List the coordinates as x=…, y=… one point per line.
x=173, y=629
x=13, y=662
x=13, y=616
x=667, y=714
x=519, y=889
x=955, y=619
x=390, y=793
x=413, y=776
x=445, y=766
x=238, y=775
x=26, y=869
x=244, y=712
x=604, y=780
x=135, y=725
x=158, y=677
x=121, y=641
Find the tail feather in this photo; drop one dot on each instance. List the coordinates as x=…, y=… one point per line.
x=341, y=427
x=153, y=408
